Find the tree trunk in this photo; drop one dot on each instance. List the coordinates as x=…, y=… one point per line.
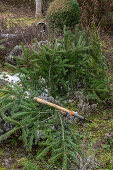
x=38, y=8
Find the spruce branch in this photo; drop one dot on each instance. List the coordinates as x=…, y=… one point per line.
x=8, y=134
x=64, y=145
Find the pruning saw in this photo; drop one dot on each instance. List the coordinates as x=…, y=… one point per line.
x=72, y=113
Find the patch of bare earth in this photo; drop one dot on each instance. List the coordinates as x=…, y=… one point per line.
x=7, y=10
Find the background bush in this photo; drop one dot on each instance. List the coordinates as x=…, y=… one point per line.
x=99, y=11
x=63, y=12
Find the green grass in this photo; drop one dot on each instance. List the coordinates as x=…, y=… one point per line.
x=16, y=16
x=93, y=138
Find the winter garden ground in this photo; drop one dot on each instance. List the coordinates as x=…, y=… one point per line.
x=94, y=137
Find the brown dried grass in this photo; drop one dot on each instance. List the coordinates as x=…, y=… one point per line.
x=58, y=5
x=98, y=11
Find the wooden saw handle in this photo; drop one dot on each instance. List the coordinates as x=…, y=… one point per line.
x=53, y=105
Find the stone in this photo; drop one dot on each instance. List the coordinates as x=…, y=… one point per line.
x=38, y=13
x=8, y=35
x=42, y=26
x=17, y=51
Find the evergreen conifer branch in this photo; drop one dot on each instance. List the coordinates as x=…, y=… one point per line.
x=8, y=134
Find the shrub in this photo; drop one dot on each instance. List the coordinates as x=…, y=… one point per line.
x=63, y=12
x=74, y=63
x=99, y=11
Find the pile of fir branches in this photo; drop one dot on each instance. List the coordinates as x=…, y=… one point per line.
x=74, y=63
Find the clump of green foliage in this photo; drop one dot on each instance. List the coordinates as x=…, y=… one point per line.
x=40, y=126
x=74, y=63
x=65, y=12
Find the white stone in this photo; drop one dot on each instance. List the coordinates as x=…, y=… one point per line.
x=38, y=8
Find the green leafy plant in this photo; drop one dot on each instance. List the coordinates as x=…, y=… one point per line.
x=65, y=12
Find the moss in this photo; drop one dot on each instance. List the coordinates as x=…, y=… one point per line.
x=22, y=22
x=105, y=159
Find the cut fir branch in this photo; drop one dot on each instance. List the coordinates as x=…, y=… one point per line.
x=64, y=145
x=61, y=146
x=8, y=134
x=41, y=126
